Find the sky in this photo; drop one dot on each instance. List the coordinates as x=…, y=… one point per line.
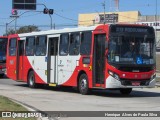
x=66, y=12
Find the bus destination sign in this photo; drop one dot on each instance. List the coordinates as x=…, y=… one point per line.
x=131, y=29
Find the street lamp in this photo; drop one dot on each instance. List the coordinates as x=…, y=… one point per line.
x=51, y=11
x=15, y=15
x=16, y=19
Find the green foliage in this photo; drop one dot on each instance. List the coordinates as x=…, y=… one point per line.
x=27, y=29
x=10, y=32
x=23, y=29
x=7, y=105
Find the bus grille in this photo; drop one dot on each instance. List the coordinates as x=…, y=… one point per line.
x=139, y=69
x=129, y=82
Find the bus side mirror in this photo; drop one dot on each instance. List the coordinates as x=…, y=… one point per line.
x=106, y=44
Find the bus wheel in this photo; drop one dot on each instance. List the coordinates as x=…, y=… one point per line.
x=1, y=75
x=83, y=84
x=125, y=91
x=31, y=80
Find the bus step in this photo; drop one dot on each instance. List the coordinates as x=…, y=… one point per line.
x=52, y=84
x=19, y=80
x=98, y=88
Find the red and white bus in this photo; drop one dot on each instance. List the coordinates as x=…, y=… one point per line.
x=3, y=49
x=111, y=56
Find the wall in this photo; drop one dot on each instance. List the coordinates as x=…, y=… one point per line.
x=123, y=17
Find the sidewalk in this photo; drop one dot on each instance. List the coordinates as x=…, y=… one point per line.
x=158, y=79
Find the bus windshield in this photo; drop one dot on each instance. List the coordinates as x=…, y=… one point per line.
x=131, y=49
x=3, y=45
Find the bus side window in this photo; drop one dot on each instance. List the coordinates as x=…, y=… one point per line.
x=74, y=44
x=64, y=43
x=12, y=47
x=41, y=46
x=86, y=41
x=30, y=46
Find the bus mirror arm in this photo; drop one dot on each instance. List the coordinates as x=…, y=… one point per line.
x=106, y=44
x=145, y=37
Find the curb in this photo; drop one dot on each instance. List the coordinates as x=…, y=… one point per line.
x=158, y=84
x=30, y=108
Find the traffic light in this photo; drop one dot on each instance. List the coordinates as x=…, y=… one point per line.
x=51, y=11
x=14, y=12
x=48, y=11
x=45, y=11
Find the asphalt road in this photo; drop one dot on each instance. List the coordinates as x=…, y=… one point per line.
x=67, y=99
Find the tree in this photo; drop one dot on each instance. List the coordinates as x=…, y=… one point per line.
x=10, y=31
x=23, y=29
x=27, y=29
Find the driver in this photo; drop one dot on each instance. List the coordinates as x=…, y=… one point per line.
x=131, y=51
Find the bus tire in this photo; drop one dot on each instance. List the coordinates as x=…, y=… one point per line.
x=1, y=75
x=31, y=80
x=83, y=84
x=125, y=91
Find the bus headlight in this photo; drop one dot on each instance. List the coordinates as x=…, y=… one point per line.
x=113, y=74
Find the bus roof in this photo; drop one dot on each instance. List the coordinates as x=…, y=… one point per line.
x=3, y=37
x=58, y=31
x=66, y=30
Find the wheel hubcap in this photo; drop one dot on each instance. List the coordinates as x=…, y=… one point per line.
x=31, y=80
x=83, y=84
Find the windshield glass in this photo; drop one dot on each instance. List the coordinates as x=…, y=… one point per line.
x=125, y=49
x=3, y=45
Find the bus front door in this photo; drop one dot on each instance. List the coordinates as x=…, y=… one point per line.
x=52, y=60
x=20, y=57
x=99, y=59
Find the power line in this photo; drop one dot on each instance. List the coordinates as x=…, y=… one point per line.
x=30, y=15
x=58, y=25
x=71, y=18
x=4, y=18
x=66, y=17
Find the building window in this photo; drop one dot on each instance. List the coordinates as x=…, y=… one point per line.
x=12, y=47
x=74, y=44
x=86, y=41
x=30, y=45
x=64, y=43
x=41, y=45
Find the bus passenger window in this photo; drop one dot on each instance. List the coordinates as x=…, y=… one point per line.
x=74, y=44
x=30, y=44
x=64, y=42
x=41, y=46
x=12, y=47
x=86, y=41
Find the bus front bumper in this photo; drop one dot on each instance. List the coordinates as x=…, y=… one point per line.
x=111, y=82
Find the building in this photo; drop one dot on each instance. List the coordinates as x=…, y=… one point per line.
x=121, y=17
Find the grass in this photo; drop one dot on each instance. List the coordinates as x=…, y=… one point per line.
x=8, y=105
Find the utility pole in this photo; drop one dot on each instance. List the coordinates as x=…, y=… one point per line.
x=156, y=23
x=16, y=19
x=42, y=5
x=104, y=7
x=48, y=14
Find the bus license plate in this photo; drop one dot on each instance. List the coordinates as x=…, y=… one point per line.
x=136, y=83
